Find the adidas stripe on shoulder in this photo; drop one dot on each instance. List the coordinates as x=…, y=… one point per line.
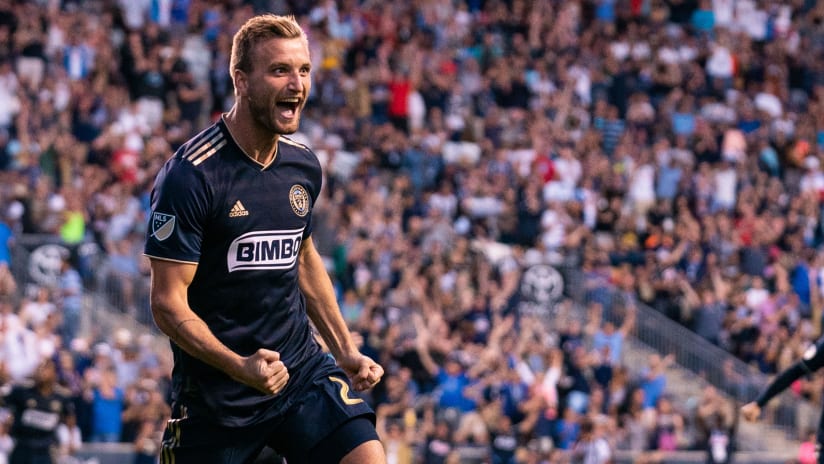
x=210, y=142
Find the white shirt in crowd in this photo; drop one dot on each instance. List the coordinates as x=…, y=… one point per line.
x=19, y=349
x=642, y=186
x=723, y=11
x=6, y=447
x=813, y=180
x=726, y=180
x=720, y=62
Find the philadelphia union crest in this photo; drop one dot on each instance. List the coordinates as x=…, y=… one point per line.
x=162, y=226
x=299, y=199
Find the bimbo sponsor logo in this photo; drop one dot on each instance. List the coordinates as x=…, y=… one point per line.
x=265, y=250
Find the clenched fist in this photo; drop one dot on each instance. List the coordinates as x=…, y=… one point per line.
x=364, y=372
x=751, y=411
x=265, y=372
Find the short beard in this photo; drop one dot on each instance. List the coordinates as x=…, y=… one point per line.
x=263, y=117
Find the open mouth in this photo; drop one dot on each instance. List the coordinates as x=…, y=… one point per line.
x=288, y=106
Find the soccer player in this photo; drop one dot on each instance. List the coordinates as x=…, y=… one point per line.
x=37, y=409
x=811, y=361
x=236, y=279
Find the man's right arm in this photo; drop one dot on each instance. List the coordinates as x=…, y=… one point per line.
x=811, y=361
x=752, y=410
x=170, y=281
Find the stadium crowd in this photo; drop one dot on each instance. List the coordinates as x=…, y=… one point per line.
x=669, y=149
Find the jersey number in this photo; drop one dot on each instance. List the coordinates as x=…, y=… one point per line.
x=344, y=392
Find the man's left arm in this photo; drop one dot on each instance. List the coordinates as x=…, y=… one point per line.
x=323, y=311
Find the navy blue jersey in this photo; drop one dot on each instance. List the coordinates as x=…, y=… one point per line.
x=243, y=224
x=36, y=416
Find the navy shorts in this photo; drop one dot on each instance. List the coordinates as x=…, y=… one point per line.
x=328, y=417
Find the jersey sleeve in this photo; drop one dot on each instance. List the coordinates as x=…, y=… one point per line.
x=179, y=203
x=811, y=361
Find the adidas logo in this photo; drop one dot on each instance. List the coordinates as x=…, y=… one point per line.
x=238, y=210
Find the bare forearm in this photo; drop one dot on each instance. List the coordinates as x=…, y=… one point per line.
x=331, y=327
x=321, y=305
x=322, y=309
x=262, y=370
x=174, y=316
x=188, y=331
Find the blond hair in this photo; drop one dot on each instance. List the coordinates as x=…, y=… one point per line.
x=258, y=29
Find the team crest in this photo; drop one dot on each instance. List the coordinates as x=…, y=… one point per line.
x=162, y=226
x=299, y=199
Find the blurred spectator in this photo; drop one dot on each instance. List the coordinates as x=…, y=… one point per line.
x=608, y=334
x=69, y=439
x=567, y=429
x=592, y=446
x=70, y=291
x=107, y=403
x=653, y=378
x=144, y=404
x=147, y=441
x=8, y=284
x=37, y=411
x=708, y=311
x=151, y=85
x=122, y=274
x=78, y=56
x=34, y=311
x=18, y=347
x=68, y=371
x=668, y=433
x=124, y=357
x=504, y=438
x=438, y=442
x=6, y=441
x=453, y=390
x=190, y=95
x=6, y=241
x=576, y=382
x=634, y=421
x=807, y=452
x=720, y=436
x=397, y=438
x=72, y=228
x=712, y=412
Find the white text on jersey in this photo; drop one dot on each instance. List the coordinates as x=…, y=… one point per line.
x=264, y=250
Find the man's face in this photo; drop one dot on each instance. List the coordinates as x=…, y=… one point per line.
x=46, y=373
x=277, y=86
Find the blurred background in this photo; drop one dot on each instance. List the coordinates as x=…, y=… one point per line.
x=555, y=223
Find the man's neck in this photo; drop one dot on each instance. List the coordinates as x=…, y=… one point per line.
x=255, y=143
x=45, y=389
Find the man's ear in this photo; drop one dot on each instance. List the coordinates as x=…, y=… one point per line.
x=241, y=82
